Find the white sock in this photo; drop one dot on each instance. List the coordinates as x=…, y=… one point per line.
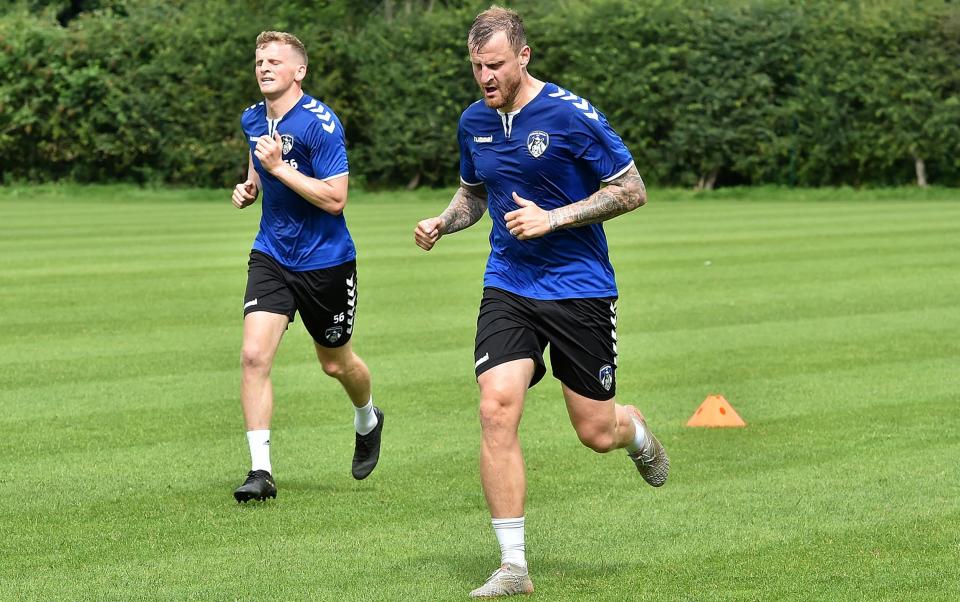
x=510, y=535
x=639, y=439
x=364, y=420
x=259, y=442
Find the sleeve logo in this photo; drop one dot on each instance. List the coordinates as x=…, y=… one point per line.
x=582, y=104
x=322, y=114
x=537, y=143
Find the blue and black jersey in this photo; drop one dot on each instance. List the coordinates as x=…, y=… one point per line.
x=297, y=234
x=556, y=150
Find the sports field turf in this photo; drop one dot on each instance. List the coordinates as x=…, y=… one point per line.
x=829, y=319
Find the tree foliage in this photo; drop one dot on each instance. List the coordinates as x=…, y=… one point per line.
x=704, y=93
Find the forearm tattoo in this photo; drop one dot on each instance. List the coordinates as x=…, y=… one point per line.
x=624, y=194
x=467, y=207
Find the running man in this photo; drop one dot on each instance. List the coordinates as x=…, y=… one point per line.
x=303, y=259
x=550, y=169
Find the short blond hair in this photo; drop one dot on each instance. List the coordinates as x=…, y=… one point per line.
x=494, y=19
x=282, y=37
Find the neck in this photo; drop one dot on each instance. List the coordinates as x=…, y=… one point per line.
x=278, y=106
x=529, y=88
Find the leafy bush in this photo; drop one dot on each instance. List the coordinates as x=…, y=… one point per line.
x=704, y=93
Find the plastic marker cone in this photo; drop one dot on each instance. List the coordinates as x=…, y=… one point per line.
x=715, y=411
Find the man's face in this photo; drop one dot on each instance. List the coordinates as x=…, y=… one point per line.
x=279, y=66
x=498, y=70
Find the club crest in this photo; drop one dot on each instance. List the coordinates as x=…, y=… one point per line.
x=333, y=334
x=537, y=143
x=287, y=140
x=606, y=377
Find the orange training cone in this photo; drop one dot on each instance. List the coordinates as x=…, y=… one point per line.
x=715, y=411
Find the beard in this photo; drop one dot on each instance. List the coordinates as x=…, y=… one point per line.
x=509, y=90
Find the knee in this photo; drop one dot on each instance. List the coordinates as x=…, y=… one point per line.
x=598, y=439
x=254, y=358
x=335, y=368
x=494, y=415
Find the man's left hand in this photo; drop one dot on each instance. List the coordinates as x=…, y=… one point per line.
x=268, y=150
x=529, y=221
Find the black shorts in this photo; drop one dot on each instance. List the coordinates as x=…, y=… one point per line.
x=582, y=334
x=326, y=299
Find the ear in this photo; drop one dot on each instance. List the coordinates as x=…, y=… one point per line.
x=525, y=56
x=300, y=74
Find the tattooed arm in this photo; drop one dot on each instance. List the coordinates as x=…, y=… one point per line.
x=621, y=195
x=466, y=208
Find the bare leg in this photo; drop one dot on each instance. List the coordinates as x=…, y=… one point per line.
x=602, y=426
x=262, y=332
x=346, y=366
x=502, y=391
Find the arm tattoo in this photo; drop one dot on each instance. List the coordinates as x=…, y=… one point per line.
x=467, y=207
x=621, y=195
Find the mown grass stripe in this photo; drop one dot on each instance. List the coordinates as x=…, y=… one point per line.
x=829, y=318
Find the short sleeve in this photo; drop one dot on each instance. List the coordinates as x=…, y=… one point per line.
x=328, y=152
x=468, y=173
x=244, y=126
x=594, y=141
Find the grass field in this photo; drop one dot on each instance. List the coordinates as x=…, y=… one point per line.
x=830, y=319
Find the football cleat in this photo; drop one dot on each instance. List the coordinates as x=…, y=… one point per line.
x=258, y=486
x=508, y=580
x=651, y=460
x=366, y=450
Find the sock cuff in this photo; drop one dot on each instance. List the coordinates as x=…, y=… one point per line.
x=258, y=436
x=639, y=437
x=259, y=442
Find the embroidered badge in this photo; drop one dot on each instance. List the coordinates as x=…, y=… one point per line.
x=537, y=143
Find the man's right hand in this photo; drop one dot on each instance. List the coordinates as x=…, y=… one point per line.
x=427, y=233
x=245, y=194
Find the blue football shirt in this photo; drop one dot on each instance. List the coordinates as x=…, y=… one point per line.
x=298, y=235
x=554, y=151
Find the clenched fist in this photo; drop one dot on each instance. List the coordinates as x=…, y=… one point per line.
x=427, y=233
x=244, y=194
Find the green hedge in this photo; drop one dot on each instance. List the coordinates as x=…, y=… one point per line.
x=776, y=91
